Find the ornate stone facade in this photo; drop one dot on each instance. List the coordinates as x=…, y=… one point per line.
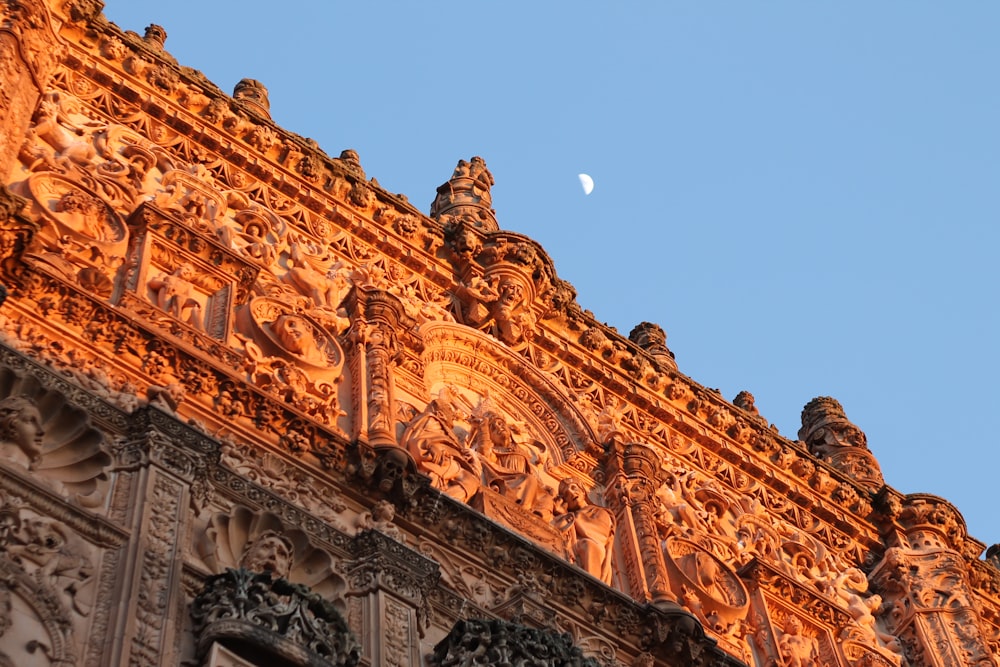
x=255, y=410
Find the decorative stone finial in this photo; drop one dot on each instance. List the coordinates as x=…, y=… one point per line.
x=155, y=36
x=746, y=402
x=253, y=94
x=653, y=339
x=466, y=197
x=831, y=436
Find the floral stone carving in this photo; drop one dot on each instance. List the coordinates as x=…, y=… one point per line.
x=481, y=642
x=254, y=611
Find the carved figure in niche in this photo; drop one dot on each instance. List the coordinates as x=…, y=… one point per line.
x=21, y=426
x=673, y=506
x=48, y=546
x=589, y=529
x=269, y=552
x=509, y=465
x=432, y=442
x=797, y=649
x=512, y=318
x=175, y=294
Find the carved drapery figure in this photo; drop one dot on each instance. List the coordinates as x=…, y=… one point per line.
x=508, y=464
x=589, y=529
x=431, y=440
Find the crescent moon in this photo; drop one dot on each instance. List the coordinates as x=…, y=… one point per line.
x=587, y=182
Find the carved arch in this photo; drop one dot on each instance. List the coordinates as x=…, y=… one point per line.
x=459, y=356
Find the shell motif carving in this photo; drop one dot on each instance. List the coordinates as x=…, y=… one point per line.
x=43, y=433
x=223, y=541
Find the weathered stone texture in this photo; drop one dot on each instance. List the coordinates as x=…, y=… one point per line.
x=254, y=408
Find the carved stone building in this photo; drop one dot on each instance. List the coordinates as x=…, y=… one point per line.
x=255, y=410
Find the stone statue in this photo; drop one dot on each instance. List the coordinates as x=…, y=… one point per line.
x=21, y=426
x=797, y=649
x=431, y=440
x=508, y=465
x=269, y=552
x=589, y=529
x=175, y=294
x=326, y=289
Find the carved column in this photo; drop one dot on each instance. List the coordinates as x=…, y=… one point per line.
x=29, y=51
x=924, y=582
x=390, y=583
x=376, y=316
x=632, y=471
x=161, y=464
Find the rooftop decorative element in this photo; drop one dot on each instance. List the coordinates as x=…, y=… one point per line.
x=466, y=197
x=831, y=436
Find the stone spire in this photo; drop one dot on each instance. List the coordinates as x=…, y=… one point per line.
x=466, y=197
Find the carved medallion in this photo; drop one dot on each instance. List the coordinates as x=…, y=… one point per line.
x=78, y=213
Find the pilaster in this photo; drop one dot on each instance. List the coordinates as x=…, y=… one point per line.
x=391, y=583
x=162, y=463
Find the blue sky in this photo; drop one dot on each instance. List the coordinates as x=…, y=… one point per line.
x=804, y=195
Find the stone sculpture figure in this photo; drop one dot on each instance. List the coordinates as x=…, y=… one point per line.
x=325, y=289
x=508, y=465
x=269, y=552
x=797, y=649
x=21, y=426
x=589, y=529
x=175, y=294
x=431, y=440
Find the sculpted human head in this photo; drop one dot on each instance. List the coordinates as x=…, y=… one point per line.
x=21, y=424
x=572, y=493
x=295, y=334
x=268, y=552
